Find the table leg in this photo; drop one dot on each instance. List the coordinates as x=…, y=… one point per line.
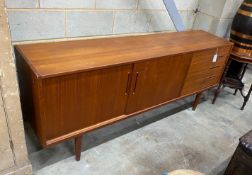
x=242, y=75
x=236, y=90
x=246, y=98
x=220, y=87
x=77, y=145
x=196, y=101
x=243, y=71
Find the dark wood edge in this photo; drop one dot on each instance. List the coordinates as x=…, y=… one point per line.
x=241, y=59
x=41, y=113
x=17, y=49
x=36, y=94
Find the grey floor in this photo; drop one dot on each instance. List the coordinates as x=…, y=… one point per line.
x=171, y=137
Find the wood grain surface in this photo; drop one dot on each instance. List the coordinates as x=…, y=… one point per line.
x=157, y=81
x=57, y=58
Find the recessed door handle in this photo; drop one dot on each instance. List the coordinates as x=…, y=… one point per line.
x=128, y=84
x=134, y=90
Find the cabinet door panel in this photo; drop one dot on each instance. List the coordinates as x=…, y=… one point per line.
x=157, y=81
x=81, y=100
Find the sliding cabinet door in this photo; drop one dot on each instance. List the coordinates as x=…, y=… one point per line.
x=157, y=81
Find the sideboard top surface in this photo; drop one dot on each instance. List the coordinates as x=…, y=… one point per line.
x=59, y=58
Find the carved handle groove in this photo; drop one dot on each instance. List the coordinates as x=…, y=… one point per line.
x=128, y=84
x=134, y=90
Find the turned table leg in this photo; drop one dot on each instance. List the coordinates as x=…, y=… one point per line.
x=220, y=87
x=243, y=71
x=246, y=98
x=77, y=145
x=196, y=101
x=236, y=90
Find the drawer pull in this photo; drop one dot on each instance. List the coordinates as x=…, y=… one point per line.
x=215, y=67
x=134, y=90
x=128, y=84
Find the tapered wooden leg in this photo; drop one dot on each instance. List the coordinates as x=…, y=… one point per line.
x=77, y=145
x=196, y=101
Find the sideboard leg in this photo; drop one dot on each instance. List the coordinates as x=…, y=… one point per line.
x=196, y=101
x=77, y=145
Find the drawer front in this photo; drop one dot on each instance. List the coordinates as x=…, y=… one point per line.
x=210, y=81
x=202, y=60
x=223, y=55
x=213, y=80
x=200, y=83
x=220, y=61
x=216, y=74
x=193, y=86
x=216, y=71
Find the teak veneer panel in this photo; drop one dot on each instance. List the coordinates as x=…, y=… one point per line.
x=157, y=81
x=84, y=99
x=203, y=72
x=57, y=58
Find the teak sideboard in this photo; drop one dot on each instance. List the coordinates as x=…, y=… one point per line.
x=69, y=88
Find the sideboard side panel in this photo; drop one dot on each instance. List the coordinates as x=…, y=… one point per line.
x=30, y=88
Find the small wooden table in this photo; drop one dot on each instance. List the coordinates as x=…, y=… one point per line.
x=235, y=83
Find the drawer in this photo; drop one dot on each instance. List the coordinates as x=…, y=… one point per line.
x=211, y=81
x=196, y=76
x=201, y=61
x=216, y=71
x=193, y=86
x=202, y=80
x=197, y=84
x=203, y=58
x=221, y=61
x=224, y=51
